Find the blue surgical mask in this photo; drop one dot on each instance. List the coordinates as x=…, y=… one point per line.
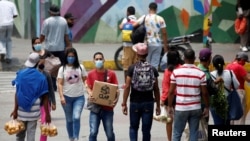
x=99, y=64
x=71, y=59
x=38, y=47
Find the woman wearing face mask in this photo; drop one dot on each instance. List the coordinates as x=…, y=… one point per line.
x=70, y=80
x=37, y=47
x=105, y=113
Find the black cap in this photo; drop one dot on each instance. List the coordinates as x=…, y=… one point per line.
x=242, y=55
x=69, y=16
x=54, y=9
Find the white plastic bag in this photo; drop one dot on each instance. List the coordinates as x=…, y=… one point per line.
x=2, y=49
x=163, y=117
x=164, y=60
x=202, y=131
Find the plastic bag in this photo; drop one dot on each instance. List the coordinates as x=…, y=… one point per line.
x=48, y=130
x=202, y=131
x=14, y=126
x=164, y=60
x=163, y=117
x=2, y=49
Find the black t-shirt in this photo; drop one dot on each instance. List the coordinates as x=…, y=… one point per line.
x=244, y=4
x=138, y=96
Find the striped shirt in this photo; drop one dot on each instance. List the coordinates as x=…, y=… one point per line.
x=188, y=79
x=32, y=115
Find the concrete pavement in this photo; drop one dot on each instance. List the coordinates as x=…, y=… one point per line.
x=21, y=50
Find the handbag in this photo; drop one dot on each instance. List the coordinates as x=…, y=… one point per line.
x=234, y=103
x=51, y=65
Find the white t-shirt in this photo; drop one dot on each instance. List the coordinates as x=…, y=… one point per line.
x=153, y=23
x=73, y=85
x=227, y=79
x=7, y=11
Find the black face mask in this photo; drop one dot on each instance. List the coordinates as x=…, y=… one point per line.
x=70, y=24
x=41, y=66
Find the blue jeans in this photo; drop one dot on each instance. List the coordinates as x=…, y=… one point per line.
x=217, y=119
x=154, y=55
x=5, y=39
x=180, y=120
x=73, y=109
x=107, y=120
x=143, y=111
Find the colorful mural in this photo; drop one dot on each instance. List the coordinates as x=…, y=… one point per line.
x=97, y=20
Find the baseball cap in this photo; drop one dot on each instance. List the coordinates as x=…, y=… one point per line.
x=140, y=48
x=242, y=55
x=205, y=54
x=54, y=9
x=32, y=60
x=69, y=16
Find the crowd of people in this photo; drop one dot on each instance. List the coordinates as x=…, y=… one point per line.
x=184, y=92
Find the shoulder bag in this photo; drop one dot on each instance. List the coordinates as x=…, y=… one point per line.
x=235, y=109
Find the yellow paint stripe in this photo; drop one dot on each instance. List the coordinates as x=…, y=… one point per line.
x=110, y=64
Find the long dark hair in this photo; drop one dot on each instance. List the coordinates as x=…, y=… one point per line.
x=218, y=63
x=33, y=41
x=173, y=59
x=76, y=64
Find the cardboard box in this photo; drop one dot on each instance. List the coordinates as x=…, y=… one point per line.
x=104, y=93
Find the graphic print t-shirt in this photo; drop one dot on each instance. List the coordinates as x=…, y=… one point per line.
x=73, y=85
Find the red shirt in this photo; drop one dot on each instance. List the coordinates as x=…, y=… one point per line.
x=166, y=83
x=94, y=75
x=239, y=72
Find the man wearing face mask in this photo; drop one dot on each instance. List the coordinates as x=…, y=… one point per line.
x=70, y=21
x=237, y=66
x=105, y=113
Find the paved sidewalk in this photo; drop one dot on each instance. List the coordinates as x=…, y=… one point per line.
x=21, y=50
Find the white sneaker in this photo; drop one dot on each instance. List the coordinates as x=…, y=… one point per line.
x=244, y=49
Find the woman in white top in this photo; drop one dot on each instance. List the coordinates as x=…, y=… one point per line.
x=71, y=77
x=218, y=63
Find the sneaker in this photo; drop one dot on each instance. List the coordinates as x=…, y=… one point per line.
x=244, y=49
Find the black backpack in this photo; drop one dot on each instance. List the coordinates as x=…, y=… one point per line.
x=139, y=33
x=143, y=77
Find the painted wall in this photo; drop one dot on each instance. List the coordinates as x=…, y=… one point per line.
x=97, y=20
